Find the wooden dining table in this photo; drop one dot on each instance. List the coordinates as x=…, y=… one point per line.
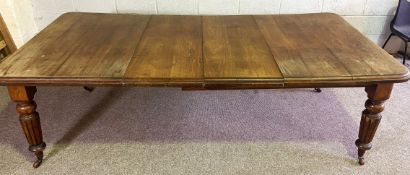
x=200, y=53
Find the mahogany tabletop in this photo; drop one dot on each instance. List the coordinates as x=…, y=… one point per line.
x=261, y=51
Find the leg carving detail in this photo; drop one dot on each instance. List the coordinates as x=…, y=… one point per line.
x=29, y=119
x=371, y=117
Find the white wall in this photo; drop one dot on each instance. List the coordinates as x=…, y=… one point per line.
x=24, y=15
x=9, y=15
x=371, y=17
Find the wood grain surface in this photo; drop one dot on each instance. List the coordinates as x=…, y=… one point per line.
x=167, y=51
x=209, y=52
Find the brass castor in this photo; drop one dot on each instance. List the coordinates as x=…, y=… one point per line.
x=361, y=161
x=38, y=151
x=38, y=162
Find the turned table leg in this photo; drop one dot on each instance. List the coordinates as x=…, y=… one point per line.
x=29, y=119
x=371, y=116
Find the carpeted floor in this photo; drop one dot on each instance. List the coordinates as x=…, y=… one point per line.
x=168, y=131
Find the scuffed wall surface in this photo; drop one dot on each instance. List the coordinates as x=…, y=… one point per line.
x=371, y=17
x=9, y=16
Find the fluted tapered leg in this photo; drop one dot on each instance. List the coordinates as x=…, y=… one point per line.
x=29, y=119
x=371, y=116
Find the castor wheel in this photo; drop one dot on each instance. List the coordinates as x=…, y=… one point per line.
x=318, y=90
x=89, y=89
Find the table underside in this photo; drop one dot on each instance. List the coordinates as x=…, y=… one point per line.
x=201, y=52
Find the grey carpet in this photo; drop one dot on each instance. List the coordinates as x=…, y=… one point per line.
x=168, y=131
